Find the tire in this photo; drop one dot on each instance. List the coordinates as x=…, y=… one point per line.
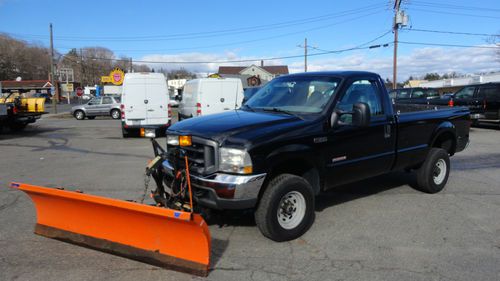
x=17, y=127
x=115, y=114
x=432, y=176
x=293, y=191
x=125, y=133
x=91, y=117
x=79, y=115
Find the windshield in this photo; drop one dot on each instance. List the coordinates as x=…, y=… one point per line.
x=301, y=94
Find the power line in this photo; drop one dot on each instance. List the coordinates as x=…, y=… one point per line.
x=456, y=14
x=242, y=60
x=450, y=6
x=450, y=45
x=207, y=34
x=452, y=32
x=254, y=40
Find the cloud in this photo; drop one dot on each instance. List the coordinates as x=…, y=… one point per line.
x=201, y=68
x=417, y=63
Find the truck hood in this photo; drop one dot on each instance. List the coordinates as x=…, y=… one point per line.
x=237, y=126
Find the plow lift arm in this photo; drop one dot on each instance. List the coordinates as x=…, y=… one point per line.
x=170, y=238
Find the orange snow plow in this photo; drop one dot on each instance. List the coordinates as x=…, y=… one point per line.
x=169, y=238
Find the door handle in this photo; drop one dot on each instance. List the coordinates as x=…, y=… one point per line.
x=151, y=110
x=387, y=131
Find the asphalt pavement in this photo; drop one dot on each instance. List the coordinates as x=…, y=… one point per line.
x=377, y=229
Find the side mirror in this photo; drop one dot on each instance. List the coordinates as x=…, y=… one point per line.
x=361, y=114
x=334, y=119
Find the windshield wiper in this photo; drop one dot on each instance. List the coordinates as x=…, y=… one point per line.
x=277, y=109
x=248, y=107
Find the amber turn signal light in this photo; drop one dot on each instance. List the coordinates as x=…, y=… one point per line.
x=185, y=141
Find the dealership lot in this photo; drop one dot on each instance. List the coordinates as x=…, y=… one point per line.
x=377, y=229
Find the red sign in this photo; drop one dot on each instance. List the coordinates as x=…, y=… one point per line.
x=79, y=91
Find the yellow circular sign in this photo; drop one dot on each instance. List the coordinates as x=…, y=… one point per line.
x=117, y=76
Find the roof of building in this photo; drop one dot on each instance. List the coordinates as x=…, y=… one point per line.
x=273, y=69
x=25, y=84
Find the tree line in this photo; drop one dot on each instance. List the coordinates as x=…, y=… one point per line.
x=30, y=61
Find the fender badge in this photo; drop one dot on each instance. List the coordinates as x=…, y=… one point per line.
x=320, y=139
x=337, y=159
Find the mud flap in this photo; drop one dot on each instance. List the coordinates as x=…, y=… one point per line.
x=159, y=236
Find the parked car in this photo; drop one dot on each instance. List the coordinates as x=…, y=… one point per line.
x=483, y=101
x=145, y=104
x=210, y=95
x=414, y=95
x=248, y=93
x=305, y=133
x=98, y=106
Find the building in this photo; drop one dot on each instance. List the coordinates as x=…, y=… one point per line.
x=454, y=84
x=253, y=75
x=27, y=87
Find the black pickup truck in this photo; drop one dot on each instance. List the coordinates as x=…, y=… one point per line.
x=302, y=134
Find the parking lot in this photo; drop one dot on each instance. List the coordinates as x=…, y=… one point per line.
x=377, y=229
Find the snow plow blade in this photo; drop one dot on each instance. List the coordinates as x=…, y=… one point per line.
x=159, y=236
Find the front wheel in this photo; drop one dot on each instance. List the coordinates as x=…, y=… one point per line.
x=17, y=127
x=286, y=209
x=432, y=176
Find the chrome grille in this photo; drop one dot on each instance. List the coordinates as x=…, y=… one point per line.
x=202, y=156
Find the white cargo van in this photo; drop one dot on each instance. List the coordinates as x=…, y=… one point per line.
x=145, y=104
x=210, y=95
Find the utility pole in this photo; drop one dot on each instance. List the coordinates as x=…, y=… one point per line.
x=395, y=28
x=305, y=55
x=52, y=74
x=131, y=69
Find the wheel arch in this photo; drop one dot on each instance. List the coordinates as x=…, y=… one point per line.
x=445, y=136
x=297, y=160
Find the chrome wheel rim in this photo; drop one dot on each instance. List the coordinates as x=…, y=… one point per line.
x=79, y=115
x=115, y=114
x=291, y=210
x=439, y=171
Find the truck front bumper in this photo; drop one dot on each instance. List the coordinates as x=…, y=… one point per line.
x=222, y=191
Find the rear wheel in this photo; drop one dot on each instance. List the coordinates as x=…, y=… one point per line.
x=432, y=176
x=79, y=115
x=115, y=114
x=286, y=209
x=125, y=133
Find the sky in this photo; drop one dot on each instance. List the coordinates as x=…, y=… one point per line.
x=339, y=33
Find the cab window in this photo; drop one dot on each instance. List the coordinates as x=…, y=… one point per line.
x=361, y=91
x=465, y=93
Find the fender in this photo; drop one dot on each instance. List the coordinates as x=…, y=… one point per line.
x=445, y=127
x=299, y=155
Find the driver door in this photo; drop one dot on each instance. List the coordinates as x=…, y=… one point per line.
x=92, y=106
x=355, y=153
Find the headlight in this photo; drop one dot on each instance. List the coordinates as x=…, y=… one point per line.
x=172, y=140
x=234, y=160
x=179, y=140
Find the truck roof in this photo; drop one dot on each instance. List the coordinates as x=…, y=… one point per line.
x=340, y=73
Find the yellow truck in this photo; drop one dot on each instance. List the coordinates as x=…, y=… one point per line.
x=16, y=112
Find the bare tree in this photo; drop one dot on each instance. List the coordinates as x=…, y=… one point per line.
x=18, y=58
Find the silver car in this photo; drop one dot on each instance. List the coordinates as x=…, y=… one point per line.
x=98, y=106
